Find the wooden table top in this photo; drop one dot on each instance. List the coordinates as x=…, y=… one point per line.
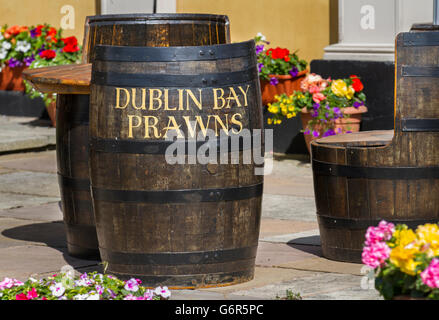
x=65, y=79
x=373, y=138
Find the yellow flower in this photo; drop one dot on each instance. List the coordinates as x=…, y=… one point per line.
x=339, y=88
x=350, y=92
x=289, y=115
x=428, y=235
x=269, y=121
x=404, y=253
x=278, y=121
x=290, y=108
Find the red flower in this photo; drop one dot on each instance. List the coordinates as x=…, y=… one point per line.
x=48, y=54
x=279, y=53
x=356, y=83
x=21, y=296
x=70, y=44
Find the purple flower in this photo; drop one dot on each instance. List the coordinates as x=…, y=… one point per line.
x=314, y=114
x=349, y=131
x=307, y=131
x=316, y=106
x=260, y=66
x=259, y=48
x=274, y=81
x=358, y=104
x=33, y=33
x=12, y=63
x=329, y=132
x=131, y=285
x=315, y=134
x=337, y=113
x=28, y=60
x=326, y=115
x=294, y=72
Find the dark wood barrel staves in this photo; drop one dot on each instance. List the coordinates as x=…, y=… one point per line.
x=181, y=225
x=73, y=100
x=360, y=179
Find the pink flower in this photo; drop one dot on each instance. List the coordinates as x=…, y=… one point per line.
x=314, y=89
x=148, y=295
x=376, y=254
x=21, y=296
x=130, y=297
x=162, y=291
x=430, y=276
x=383, y=232
x=32, y=294
x=131, y=285
x=8, y=283
x=317, y=97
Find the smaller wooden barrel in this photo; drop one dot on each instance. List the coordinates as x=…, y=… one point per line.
x=73, y=175
x=183, y=225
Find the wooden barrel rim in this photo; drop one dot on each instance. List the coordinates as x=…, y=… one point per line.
x=136, y=17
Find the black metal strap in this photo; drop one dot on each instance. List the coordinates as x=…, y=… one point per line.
x=392, y=173
x=415, y=39
x=179, y=258
x=178, y=196
x=348, y=223
x=161, y=146
x=168, y=54
x=174, y=81
x=419, y=125
x=74, y=183
x=419, y=71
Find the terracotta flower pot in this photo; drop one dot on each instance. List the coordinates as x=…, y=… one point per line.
x=10, y=78
x=51, y=110
x=287, y=84
x=346, y=124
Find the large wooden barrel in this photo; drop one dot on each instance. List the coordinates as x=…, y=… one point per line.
x=362, y=178
x=181, y=225
x=72, y=134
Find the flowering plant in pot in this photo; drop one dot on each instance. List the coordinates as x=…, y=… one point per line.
x=92, y=286
x=405, y=262
x=326, y=107
x=280, y=70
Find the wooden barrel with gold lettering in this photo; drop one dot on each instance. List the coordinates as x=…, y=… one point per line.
x=72, y=132
x=190, y=224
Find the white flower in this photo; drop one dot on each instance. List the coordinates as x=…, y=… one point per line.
x=94, y=297
x=32, y=279
x=164, y=292
x=81, y=297
x=57, y=289
x=3, y=53
x=261, y=36
x=6, y=45
x=22, y=46
x=1, y=294
x=1, y=37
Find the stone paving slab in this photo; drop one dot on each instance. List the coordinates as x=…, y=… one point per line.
x=13, y=200
x=20, y=133
x=321, y=264
x=288, y=207
x=45, y=212
x=309, y=237
x=276, y=254
x=24, y=261
x=32, y=161
x=272, y=227
x=30, y=183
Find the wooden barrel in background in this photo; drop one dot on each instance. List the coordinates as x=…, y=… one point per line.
x=181, y=225
x=72, y=135
x=362, y=178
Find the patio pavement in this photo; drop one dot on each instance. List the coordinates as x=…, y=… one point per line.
x=32, y=236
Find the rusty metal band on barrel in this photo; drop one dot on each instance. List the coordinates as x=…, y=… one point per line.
x=178, y=196
x=179, y=258
x=384, y=173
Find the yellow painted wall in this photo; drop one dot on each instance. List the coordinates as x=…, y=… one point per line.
x=292, y=24
x=33, y=12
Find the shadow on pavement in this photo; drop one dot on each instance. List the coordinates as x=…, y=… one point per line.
x=53, y=235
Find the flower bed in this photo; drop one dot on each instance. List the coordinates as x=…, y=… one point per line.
x=93, y=286
x=406, y=262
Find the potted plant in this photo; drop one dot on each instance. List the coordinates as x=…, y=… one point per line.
x=22, y=47
x=326, y=107
x=405, y=262
x=280, y=71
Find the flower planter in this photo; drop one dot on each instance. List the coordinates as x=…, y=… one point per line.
x=51, y=110
x=287, y=84
x=346, y=124
x=10, y=78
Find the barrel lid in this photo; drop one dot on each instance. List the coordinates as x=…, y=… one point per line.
x=373, y=138
x=64, y=79
x=138, y=17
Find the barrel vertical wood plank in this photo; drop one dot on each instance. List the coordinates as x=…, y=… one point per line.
x=181, y=225
x=72, y=85
x=362, y=178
